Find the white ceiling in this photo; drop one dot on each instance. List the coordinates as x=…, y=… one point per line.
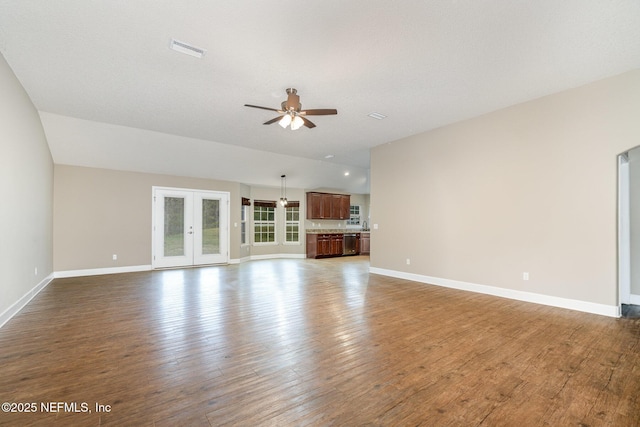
x=112, y=94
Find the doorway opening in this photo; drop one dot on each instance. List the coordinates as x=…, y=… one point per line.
x=629, y=233
x=190, y=227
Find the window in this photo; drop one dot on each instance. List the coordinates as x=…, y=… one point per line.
x=243, y=224
x=244, y=215
x=354, y=215
x=264, y=222
x=292, y=222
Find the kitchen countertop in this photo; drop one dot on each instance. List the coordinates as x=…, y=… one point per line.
x=334, y=231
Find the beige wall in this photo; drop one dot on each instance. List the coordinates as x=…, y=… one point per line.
x=100, y=212
x=270, y=193
x=530, y=188
x=26, y=185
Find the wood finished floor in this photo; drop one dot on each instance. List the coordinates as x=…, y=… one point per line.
x=311, y=343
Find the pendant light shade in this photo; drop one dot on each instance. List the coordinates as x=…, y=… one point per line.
x=283, y=190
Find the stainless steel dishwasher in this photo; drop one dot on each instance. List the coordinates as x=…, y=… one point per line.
x=349, y=243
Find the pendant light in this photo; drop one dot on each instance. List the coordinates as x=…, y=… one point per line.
x=283, y=190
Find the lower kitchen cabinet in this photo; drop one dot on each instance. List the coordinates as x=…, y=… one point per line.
x=336, y=244
x=318, y=245
x=365, y=242
x=324, y=245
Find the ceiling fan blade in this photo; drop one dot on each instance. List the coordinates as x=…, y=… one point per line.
x=273, y=120
x=319, y=112
x=264, y=108
x=307, y=123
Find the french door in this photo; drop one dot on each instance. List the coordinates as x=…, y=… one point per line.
x=190, y=227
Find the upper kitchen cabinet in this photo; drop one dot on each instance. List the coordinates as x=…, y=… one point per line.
x=340, y=206
x=328, y=206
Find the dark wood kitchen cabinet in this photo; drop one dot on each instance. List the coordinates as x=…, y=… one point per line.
x=328, y=206
x=365, y=241
x=340, y=206
x=324, y=245
x=336, y=244
x=318, y=206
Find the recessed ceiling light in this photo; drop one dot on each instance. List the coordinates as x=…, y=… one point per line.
x=376, y=116
x=186, y=48
x=346, y=174
x=329, y=156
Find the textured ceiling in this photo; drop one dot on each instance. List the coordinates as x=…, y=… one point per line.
x=112, y=94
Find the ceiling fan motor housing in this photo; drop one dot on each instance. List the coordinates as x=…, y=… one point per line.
x=293, y=101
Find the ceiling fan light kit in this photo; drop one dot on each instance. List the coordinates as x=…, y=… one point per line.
x=296, y=123
x=292, y=114
x=285, y=121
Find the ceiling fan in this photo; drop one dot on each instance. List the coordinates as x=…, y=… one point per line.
x=292, y=114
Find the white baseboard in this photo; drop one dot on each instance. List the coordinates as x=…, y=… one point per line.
x=277, y=256
x=19, y=305
x=571, y=304
x=634, y=299
x=99, y=271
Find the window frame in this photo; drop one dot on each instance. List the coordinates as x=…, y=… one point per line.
x=244, y=214
x=349, y=223
x=287, y=222
x=268, y=207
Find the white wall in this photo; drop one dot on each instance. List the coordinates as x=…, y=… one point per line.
x=26, y=189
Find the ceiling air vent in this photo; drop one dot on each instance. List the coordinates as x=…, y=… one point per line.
x=186, y=48
x=376, y=116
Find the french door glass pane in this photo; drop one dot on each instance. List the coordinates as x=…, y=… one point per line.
x=173, y=226
x=210, y=227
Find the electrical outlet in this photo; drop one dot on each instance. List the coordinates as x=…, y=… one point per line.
x=36, y=271
x=115, y=257
x=408, y=261
x=525, y=276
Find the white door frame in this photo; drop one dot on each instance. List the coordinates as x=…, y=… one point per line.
x=192, y=238
x=624, y=230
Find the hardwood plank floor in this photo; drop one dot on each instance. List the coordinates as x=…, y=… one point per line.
x=309, y=343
